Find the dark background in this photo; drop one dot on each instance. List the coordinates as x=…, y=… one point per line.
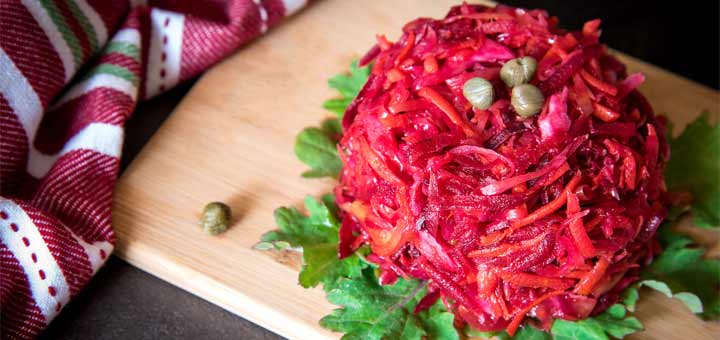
x=123, y=302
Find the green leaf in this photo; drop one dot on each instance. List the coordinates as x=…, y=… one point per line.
x=316, y=148
x=630, y=297
x=349, y=85
x=374, y=312
x=332, y=127
x=577, y=330
x=614, y=322
x=659, y=286
x=337, y=105
x=317, y=234
x=617, y=311
x=471, y=332
x=619, y=327
x=691, y=300
x=682, y=268
x=413, y=329
x=531, y=333
x=439, y=323
x=694, y=166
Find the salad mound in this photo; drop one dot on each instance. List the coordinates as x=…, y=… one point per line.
x=507, y=214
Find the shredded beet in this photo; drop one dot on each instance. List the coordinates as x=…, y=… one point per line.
x=508, y=218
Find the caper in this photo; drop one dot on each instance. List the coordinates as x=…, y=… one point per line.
x=518, y=71
x=216, y=218
x=479, y=92
x=527, y=100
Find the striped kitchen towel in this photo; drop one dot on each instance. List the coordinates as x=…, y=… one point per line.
x=71, y=73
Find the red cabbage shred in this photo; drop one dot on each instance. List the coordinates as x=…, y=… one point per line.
x=509, y=219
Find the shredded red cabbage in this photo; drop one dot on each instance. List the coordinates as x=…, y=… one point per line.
x=508, y=218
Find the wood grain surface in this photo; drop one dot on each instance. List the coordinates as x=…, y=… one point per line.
x=231, y=140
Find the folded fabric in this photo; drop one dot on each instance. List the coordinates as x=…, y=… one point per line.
x=71, y=73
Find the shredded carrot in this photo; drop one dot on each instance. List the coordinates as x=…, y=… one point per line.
x=394, y=75
x=408, y=105
x=578, y=274
x=503, y=305
x=379, y=165
x=587, y=283
x=446, y=107
x=358, y=208
x=383, y=42
x=393, y=121
x=507, y=248
x=577, y=229
x=570, y=41
x=559, y=172
x=629, y=171
x=522, y=187
x=560, y=52
x=487, y=281
x=535, y=281
x=491, y=252
x=549, y=208
x=407, y=63
x=430, y=64
x=520, y=316
x=605, y=113
x=494, y=237
x=409, y=44
x=591, y=27
x=599, y=84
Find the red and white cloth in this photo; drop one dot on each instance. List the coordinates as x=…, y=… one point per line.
x=71, y=73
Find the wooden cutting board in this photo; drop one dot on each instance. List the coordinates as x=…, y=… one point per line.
x=231, y=139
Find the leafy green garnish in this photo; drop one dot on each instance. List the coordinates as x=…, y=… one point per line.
x=472, y=332
x=316, y=148
x=694, y=166
x=372, y=311
x=349, y=85
x=614, y=322
x=531, y=333
x=681, y=268
x=630, y=297
x=317, y=234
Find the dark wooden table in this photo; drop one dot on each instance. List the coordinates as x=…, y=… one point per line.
x=123, y=302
